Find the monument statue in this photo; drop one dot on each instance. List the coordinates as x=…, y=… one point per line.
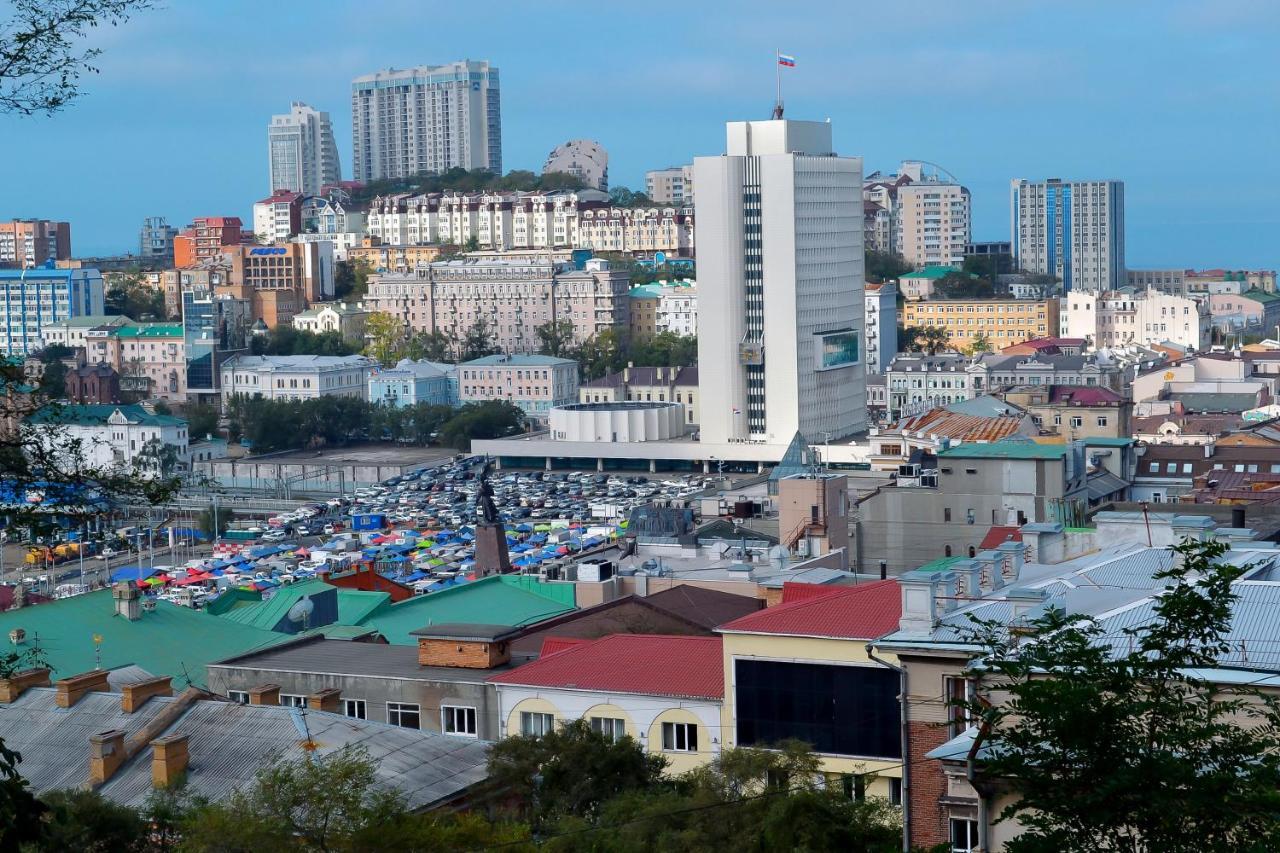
x=484, y=500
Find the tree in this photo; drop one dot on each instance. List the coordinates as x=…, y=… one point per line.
x=351, y=279
x=490, y=419
x=958, y=285
x=472, y=244
x=1114, y=739
x=572, y=770
x=477, y=342
x=555, y=337
x=286, y=340
x=78, y=819
x=929, y=339
x=432, y=346
x=205, y=521
x=602, y=353
x=882, y=266
x=130, y=296
x=980, y=344
x=665, y=349
x=40, y=61
x=386, y=337
x=202, y=420
x=620, y=196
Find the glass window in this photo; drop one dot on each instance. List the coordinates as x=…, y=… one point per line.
x=238, y=696
x=964, y=835
x=404, y=714
x=456, y=720
x=535, y=724
x=293, y=700
x=611, y=727
x=957, y=693
x=355, y=708
x=679, y=737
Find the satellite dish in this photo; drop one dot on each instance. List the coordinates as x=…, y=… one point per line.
x=779, y=556
x=301, y=610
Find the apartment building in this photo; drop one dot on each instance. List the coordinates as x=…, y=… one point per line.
x=648, y=384
x=1115, y=318
x=534, y=383
x=1248, y=312
x=637, y=230
x=584, y=159
x=151, y=358
x=512, y=296
x=277, y=217
x=123, y=439
x=296, y=377
x=36, y=298
x=405, y=122
x=302, y=153
x=206, y=275
x=644, y=313
x=155, y=240
x=880, y=209
x=206, y=238
x=1073, y=230
x=33, y=242
x=379, y=258
x=1074, y=411
x=279, y=281
x=71, y=332
x=216, y=327
x=933, y=222
x=998, y=322
x=880, y=317
x=672, y=185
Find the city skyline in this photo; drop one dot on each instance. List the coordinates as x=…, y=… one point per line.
x=991, y=81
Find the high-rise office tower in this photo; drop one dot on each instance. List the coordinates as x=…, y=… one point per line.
x=1070, y=229
x=426, y=119
x=303, y=156
x=780, y=286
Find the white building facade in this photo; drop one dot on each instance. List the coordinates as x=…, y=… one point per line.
x=672, y=185
x=296, y=377
x=880, y=319
x=302, y=153
x=1070, y=229
x=426, y=119
x=121, y=439
x=1128, y=317
x=933, y=222
x=780, y=236
x=584, y=159
x=678, y=309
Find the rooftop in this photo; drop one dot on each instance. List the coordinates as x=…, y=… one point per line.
x=932, y=272
x=296, y=362
x=1005, y=450
x=862, y=612
x=646, y=664
x=97, y=414
x=517, y=361
x=959, y=427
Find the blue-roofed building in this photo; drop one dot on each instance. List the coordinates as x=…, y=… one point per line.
x=535, y=383
x=31, y=299
x=411, y=382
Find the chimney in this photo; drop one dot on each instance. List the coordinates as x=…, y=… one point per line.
x=968, y=579
x=128, y=600
x=1045, y=542
x=70, y=690
x=106, y=754
x=1011, y=561
x=326, y=700
x=1196, y=528
x=919, y=602
x=264, y=694
x=990, y=578
x=1023, y=600
x=134, y=696
x=20, y=682
x=169, y=759
x=465, y=646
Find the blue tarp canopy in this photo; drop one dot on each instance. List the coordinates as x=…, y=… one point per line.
x=133, y=573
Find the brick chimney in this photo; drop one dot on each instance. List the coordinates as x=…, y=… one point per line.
x=465, y=646
x=134, y=696
x=106, y=754
x=169, y=759
x=18, y=683
x=326, y=700
x=128, y=600
x=70, y=690
x=264, y=694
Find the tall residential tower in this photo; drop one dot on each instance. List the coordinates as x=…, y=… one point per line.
x=303, y=156
x=426, y=119
x=1073, y=230
x=780, y=278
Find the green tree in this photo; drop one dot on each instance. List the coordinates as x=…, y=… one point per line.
x=432, y=346
x=477, y=342
x=959, y=285
x=286, y=340
x=572, y=770
x=620, y=196
x=202, y=420
x=41, y=62
x=386, y=337
x=930, y=339
x=205, y=521
x=665, y=349
x=131, y=296
x=883, y=266
x=490, y=419
x=1115, y=739
x=351, y=279
x=472, y=244
x=555, y=337
x=603, y=353
x=980, y=344
x=79, y=819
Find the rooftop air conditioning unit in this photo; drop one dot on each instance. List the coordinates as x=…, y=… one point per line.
x=909, y=469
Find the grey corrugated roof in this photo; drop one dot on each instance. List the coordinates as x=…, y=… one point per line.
x=229, y=743
x=1104, y=483
x=128, y=674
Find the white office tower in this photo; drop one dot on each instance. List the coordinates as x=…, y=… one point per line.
x=780, y=286
x=426, y=119
x=302, y=153
x=1070, y=229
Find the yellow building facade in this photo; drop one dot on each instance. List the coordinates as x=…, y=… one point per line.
x=1000, y=321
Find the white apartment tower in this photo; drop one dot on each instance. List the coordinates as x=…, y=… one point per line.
x=933, y=219
x=426, y=119
x=302, y=154
x=780, y=278
x=1070, y=229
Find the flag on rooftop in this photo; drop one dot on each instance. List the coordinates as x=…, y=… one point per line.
x=788, y=61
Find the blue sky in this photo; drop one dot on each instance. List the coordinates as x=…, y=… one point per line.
x=1176, y=97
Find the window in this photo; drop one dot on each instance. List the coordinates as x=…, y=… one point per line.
x=535, y=724
x=964, y=835
x=355, y=708
x=1154, y=467
x=455, y=720
x=946, y=513
x=611, y=727
x=238, y=696
x=895, y=791
x=956, y=690
x=679, y=737
x=293, y=700
x=1077, y=422
x=405, y=715
x=1102, y=420
x=855, y=786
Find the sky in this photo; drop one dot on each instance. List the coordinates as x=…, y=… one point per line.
x=1177, y=98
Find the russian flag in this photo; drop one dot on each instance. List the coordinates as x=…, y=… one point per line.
x=788, y=61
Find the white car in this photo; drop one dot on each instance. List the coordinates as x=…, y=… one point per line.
x=329, y=530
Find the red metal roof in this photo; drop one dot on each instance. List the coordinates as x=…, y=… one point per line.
x=551, y=645
x=862, y=612
x=998, y=534
x=793, y=591
x=959, y=427
x=648, y=664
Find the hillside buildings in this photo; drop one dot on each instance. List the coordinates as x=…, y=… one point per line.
x=215, y=328
x=1115, y=318
x=534, y=383
x=302, y=153
x=781, y=270
x=277, y=217
x=31, y=299
x=33, y=242
x=296, y=377
x=205, y=238
x=1073, y=230
x=920, y=213
x=584, y=159
x=279, y=281
x=346, y=318
x=512, y=296
x=672, y=185
x=426, y=119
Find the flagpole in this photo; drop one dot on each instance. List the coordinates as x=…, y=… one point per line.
x=777, y=75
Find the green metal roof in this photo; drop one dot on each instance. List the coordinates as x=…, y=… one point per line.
x=504, y=600
x=933, y=272
x=150, y=330
x=939, y=565
x=353, y=605
x=1261, y=296
x=170, y=640
x=96, y=414
x=1107, y=442
x=1005, y=450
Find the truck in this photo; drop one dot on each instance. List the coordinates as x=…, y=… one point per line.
x=368, y=521
x=241, y=535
